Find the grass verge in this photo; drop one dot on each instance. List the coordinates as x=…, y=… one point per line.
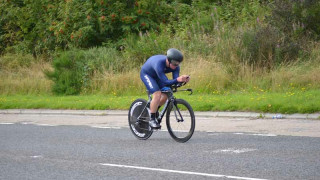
x=287, y=103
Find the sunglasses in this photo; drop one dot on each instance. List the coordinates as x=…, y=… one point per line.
x=175, y=63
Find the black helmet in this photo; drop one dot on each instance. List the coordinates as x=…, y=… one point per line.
x=174, y=54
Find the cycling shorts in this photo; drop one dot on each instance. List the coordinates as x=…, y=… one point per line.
x=152, y=84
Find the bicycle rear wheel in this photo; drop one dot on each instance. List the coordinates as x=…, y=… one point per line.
x=180, y=120
x=139, y=128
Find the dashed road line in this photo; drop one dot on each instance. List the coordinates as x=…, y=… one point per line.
x=36, y=157
x=48, y=125
x=268, y=135
x=105, y=127
x=232, y=151
x=210, y=133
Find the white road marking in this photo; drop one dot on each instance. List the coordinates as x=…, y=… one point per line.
x=35, y=157
x=268, y=135
x=26, y=123
x=45, y=125
x=232, y=151
x=239, y=133
x=179, y=172
x=214, y=134
x=163, y=130
x=6, y=123
x=105, y=127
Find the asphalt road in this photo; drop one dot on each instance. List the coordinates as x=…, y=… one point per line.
x=31, y=151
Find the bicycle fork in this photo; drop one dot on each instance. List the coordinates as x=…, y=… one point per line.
x=176, y=111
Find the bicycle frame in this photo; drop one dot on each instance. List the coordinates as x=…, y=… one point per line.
x=174, y=110
x=171, y=99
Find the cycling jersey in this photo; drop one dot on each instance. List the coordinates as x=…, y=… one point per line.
x=153, y=73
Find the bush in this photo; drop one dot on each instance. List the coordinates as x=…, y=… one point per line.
x=285, y=36
x=240, y=11
x=296, y=18
x=45, y=26
x=74, y=69
x=70, y=73
x=267, y=47
x=15, y=61
x=139, y=48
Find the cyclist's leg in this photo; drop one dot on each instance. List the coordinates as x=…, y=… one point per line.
x=155, y=103
x=154, y=89
x=164, y=97
x=163, y=100
x=150, y=83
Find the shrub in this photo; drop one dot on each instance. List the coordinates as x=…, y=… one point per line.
x=74, y=69
x=296, y=18
x=44, y=26
x=15, y=61
x=70, y=73
x=283, y=38
x=139, y=48
x=267, y=47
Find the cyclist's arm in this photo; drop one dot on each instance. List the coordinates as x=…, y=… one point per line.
x=165, y=80
x=163, y=77
x=175, y=73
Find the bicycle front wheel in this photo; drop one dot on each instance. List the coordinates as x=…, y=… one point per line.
x=180, y=120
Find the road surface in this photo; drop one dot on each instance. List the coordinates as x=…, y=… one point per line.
x=96, y=147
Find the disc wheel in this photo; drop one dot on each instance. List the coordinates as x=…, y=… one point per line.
x=139, y=128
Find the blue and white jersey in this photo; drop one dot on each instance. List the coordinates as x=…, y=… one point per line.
x=153, y=73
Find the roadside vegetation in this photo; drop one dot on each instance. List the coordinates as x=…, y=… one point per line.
x=296, y=101
x=242, y=55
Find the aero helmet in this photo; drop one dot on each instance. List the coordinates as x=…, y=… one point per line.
x=174, y=54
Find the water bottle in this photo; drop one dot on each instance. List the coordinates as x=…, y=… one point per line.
x=278, y=116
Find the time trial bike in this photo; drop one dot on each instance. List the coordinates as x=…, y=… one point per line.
x=180, y=119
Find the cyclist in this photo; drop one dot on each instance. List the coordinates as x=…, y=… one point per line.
x=153, y=76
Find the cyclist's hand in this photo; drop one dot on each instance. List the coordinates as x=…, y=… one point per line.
x=188, y=79
x=183, y=78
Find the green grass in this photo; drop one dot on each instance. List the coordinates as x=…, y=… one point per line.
x=289, y=102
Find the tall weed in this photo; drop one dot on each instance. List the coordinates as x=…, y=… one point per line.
x=25, y=80
x=15, y=61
